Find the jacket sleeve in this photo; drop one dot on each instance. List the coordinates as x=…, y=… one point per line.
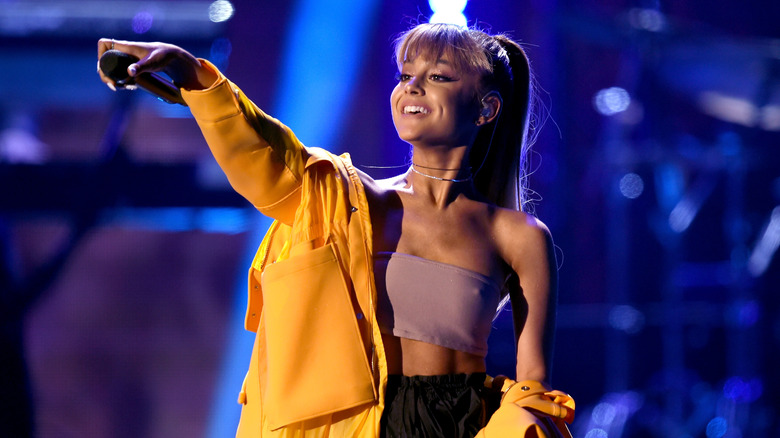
x=261, y=157
x=529, y=409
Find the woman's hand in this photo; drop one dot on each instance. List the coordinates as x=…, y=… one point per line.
x=184, y=69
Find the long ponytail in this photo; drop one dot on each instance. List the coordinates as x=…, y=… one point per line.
x=499, y=154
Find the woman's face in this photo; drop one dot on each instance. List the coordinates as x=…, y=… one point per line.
x=434, y=104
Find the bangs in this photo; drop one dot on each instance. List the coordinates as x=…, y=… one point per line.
x=459, y=45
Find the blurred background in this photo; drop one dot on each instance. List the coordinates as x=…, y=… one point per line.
x=124, y=253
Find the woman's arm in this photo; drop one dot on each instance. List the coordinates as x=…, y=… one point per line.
x=261, y=157
x=528, y=248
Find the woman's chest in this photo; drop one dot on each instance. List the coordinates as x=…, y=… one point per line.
x=457, y=236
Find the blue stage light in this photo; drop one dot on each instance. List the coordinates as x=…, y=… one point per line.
x=611, y=101
x=631, y=185
x=142, y=22
x=717, y=427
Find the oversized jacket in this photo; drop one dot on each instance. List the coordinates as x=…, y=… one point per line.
x=318, y=365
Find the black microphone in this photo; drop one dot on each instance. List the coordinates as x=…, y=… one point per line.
x=114, y=63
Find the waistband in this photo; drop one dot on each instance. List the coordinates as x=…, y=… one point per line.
x=475, y=380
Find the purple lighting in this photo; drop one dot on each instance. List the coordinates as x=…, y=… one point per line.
x=142, y=22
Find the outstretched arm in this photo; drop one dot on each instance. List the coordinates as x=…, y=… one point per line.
x=261, y=157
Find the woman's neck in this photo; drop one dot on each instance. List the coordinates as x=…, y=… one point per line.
x=440, y=174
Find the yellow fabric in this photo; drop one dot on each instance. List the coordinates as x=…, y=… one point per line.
x=317, y=367
x=530, y=410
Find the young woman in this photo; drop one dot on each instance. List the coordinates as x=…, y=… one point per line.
x=373, y=299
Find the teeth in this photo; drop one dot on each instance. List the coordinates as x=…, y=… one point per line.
x=413, y=109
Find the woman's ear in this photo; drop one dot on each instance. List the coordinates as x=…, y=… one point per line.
x=491, y=107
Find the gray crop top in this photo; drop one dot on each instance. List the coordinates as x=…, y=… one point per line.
x=434, y=302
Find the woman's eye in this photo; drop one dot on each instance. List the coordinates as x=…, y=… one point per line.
x=440, y=78
x=402, y=77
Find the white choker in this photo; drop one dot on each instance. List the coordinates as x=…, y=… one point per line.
x=439, y=178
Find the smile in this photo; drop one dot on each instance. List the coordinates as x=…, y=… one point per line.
x=413, y=109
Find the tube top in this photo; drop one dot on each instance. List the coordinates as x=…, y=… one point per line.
x=434, y=302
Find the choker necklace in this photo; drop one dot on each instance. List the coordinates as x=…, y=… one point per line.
x=435, y=168
x=439, y=178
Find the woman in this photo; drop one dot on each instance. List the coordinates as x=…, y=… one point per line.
x=373, y=299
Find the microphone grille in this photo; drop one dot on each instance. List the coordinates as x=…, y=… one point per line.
x=114, y=63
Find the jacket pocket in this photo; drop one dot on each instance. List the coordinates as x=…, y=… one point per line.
x=316, y=361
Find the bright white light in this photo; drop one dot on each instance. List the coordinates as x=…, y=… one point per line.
x=220, y=10
x=456, y=18
x=448, y=11
x=611, y=101
x=447, y=5
x=631, y=185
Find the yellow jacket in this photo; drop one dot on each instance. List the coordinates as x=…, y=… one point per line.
x=318, y=365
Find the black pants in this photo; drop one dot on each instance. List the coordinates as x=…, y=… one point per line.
x=453, y=405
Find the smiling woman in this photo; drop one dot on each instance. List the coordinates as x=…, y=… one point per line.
x=410, y=269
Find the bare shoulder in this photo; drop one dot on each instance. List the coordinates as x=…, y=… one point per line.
x=380, y=188
x=522, y=239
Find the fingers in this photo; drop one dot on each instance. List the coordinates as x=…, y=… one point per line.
x=139, y=50
x=181, y=66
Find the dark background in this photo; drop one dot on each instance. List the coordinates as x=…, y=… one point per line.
x=123, y=261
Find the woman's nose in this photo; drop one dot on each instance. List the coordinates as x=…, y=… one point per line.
x=413, y=86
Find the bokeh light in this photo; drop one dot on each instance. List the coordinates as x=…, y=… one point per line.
x=604, y=414
x=717, y=427
x=221, y=49
x=627, y=319
x=631, y=185
x=611, y=101
x=743, y=391
x=142, y=22
x=221, y=10
x=597, y=433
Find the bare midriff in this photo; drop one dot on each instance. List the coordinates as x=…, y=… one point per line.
x=416, y=358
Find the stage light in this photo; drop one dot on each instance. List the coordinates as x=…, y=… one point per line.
x=717, y=427
x=743, y=391
x=220, y=52
x=611, y=101
x=631, y=185
x=682, y=215
x=766, y=247
x=448, y=11
x=221, y=10
x=647, y=19
x=597, y=433
x=604, y=414
x=627, y=319
x=142, y=22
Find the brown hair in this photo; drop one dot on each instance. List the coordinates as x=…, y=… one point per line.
x=498, y=155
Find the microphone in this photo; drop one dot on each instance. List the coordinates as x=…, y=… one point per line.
x=114, y=63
